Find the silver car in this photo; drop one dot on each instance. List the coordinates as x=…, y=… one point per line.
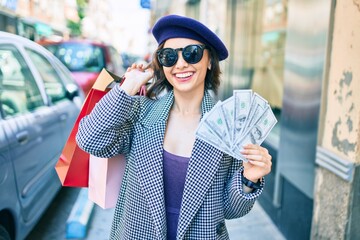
x=39, y=103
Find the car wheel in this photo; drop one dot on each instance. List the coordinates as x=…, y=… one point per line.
x=4, y=234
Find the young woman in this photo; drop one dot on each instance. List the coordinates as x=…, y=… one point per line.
x=175, y=185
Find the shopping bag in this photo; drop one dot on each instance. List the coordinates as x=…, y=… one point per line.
x=73, y=165
x=105, y=177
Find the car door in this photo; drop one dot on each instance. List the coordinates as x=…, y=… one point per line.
x=7, y=182
x=64, y=94
x=33, y=131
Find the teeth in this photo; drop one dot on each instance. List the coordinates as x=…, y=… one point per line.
x=183, y=75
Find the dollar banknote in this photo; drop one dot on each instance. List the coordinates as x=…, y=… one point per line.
x=215, y=120
x=205, y=133
x=257, y=132
x=244, y=118
x=257, y=108
x=227, y=108
x=242, y=106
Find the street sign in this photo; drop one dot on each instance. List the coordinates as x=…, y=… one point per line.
x=145, y=4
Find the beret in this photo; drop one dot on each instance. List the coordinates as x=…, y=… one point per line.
x=175, y=26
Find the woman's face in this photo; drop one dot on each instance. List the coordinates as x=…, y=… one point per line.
x=183, y=76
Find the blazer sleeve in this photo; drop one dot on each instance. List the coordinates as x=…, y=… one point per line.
x=237, y=203
x=107, y=130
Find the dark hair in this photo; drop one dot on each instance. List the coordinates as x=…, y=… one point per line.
x=160, y=83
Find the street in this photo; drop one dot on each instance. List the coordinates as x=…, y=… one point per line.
x=53, y=223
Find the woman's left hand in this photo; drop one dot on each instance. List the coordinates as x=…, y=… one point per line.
x=259, y=162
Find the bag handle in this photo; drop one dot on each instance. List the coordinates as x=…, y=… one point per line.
x=143, y=90
x=106, y=78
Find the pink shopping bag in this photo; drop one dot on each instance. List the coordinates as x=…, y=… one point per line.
x=105, y=177
x=105, y=174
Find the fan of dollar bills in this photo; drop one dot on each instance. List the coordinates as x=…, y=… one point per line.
x=244, y=118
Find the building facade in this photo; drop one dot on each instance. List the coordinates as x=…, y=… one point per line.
x=36, y=19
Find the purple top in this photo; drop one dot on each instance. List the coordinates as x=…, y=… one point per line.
x=174, y=170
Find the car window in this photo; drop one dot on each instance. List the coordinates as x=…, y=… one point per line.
x=52, y=81
x=67, y=78
x=116, y=59
x=19, y=92
x=79, y=57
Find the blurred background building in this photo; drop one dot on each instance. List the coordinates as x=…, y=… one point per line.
x=36, y=19
x=301, y=55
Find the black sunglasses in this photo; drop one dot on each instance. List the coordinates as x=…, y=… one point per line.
x=192, y=54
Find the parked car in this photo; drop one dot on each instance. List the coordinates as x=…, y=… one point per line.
x=85, y=59
x=39, y=103
x=129, y=59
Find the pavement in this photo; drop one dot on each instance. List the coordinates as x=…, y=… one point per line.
x=256, y=225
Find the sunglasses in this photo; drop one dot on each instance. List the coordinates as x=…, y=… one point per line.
x=191, y=54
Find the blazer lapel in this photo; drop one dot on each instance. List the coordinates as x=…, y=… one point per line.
x=149, y=160
x=203, y=165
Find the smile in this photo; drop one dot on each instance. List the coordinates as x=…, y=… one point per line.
x=184, y=75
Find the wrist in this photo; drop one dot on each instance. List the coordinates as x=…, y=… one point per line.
x=251, y=184
x=129, y=88
x=250, y=178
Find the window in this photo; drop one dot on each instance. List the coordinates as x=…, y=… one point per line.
x=115, y=63
x=269, y=70
x=19, y=92
x=52, y=81
x=79, y=57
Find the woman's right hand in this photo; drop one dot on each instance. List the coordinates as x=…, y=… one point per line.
x=136, y=76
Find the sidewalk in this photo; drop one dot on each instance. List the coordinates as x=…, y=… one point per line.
x=256, y=225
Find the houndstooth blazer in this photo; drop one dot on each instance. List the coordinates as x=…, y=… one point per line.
x=135, y=126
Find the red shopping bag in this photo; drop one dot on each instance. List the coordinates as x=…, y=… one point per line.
x=73, y=164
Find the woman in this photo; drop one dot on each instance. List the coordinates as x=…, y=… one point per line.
x=175, y=186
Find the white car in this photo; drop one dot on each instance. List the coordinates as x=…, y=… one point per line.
x=39, y=103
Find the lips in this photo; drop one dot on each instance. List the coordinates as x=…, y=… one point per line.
x=184, y=75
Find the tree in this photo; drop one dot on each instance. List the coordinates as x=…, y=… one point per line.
x=75, y=27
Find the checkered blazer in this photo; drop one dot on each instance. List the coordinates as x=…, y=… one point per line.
x=136, y=126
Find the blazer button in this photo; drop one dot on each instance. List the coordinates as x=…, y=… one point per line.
x=220, y=228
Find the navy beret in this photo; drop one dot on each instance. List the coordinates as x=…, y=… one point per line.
x=175, y=26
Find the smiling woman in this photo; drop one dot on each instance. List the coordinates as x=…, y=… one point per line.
x=175, y=186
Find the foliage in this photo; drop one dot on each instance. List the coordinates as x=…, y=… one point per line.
x=75, y=27
x=81, y=8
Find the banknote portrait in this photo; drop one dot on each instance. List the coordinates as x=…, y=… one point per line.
x=255, y=135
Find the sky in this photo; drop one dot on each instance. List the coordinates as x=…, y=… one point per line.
x=134, y=21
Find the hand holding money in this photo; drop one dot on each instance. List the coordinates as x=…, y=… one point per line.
x=259, y=162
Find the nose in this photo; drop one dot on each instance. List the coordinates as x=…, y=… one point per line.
x=181, y=63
